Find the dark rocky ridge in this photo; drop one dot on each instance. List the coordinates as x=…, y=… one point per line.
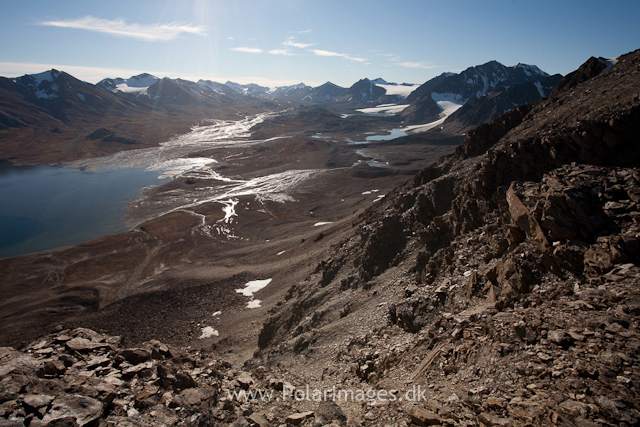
x=479, y=80
x=487, y=91
x=512, y=262
x=588, y=70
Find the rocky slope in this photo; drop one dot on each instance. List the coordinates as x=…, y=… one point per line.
x=481, y=110
x=499, y=287
x=502, y=279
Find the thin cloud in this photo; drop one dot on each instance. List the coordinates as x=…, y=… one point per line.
x=305, y=31
x=246, y=49
x=296, y=44
x=118, y=27
x=320, y=52
x=285, y=52
x=416, y=65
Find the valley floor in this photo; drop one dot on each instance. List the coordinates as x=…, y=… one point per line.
x=239, y=209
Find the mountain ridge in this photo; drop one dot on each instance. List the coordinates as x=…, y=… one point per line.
x=500, y=87
x=66, y=110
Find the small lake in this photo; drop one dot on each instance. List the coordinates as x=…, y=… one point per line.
x=393, y=134
x=43, y=207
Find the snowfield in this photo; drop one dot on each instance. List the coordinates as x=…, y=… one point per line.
x=402, y=90
x=384, y=109
x=449, y=103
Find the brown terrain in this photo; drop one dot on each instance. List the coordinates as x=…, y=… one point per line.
x=499, y=285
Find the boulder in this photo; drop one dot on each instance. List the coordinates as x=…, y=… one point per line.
x=193, y=399
x=84, y=410
x=258, y=419
x=136, y=355
x=329, y=411
x=83, y=345
x=424, y=417
x=298, y=418
x=245, y=380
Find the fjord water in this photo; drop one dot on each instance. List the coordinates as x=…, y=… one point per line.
x=43, y=207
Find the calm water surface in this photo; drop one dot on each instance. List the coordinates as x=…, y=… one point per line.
x=43, y=207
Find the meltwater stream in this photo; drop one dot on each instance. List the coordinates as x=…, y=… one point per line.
x=44, y=207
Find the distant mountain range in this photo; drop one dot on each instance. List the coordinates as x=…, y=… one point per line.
x=361, y=94
x=54, y=106
x=52, y=116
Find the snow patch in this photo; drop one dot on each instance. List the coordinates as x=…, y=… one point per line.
x=447, y=96
x=608, y=62
x=384, y=109
x=253, y=286
x=48, y=94
x=127, y=89
x=540, y=89
x=136, y=84
x=449, y=104
x=318, y=224
x=208, y=332
x=46, y=76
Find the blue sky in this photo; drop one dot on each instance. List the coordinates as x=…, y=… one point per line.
x=278, y=42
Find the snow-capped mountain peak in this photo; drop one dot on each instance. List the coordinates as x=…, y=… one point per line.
x=381, y=81
x=43, y=85
x=486, y=90
x=142, y=80
x=37, y=79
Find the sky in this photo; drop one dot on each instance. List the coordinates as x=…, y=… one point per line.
x=283, y=42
